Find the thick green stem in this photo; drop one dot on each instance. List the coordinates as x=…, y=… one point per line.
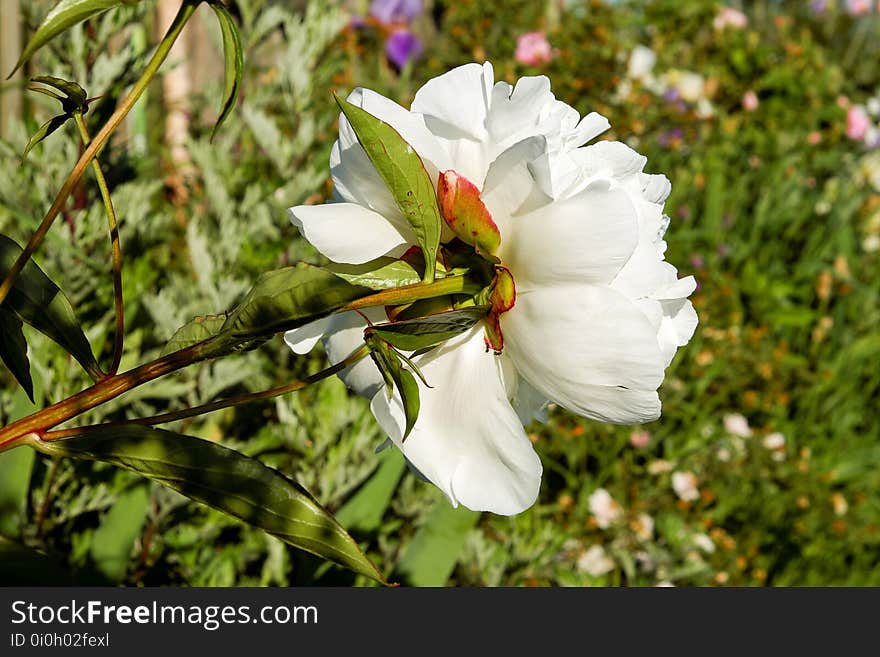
x=162, y=50
x=117, y=251
x=397, y=296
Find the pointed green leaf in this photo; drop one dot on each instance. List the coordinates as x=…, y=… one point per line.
x=379, y=274
x=199, y=329
x=234, y=63
x=223, y=479
x=403, y=171
x=13, y=351
x=44, y=131
x=287, y=298
x=76, y=95
x=64, y=15
x=396, y=376
x=415, y=334
x=37, y=301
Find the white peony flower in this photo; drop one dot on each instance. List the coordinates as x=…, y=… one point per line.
x=641, y=63
x=598, y=313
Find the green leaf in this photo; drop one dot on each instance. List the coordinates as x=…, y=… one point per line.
x=44, y=131
x=431, y=556
x=287, y=298
x=199, y=329
x=76, y=95
x=403, y=171
x=37, y=301
x=379, y=274
x=234, y=63
x=13, y=351
x=365, y=509
x=114, y=539
x=424, y=332
x=396, y=376
x=223, y=479
x=64, y=15
x=16, y=467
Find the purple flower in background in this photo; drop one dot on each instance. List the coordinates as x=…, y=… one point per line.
x=395, y=11
x=402, y=47
x=819, y=6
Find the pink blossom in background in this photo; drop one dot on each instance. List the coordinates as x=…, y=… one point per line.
x=738, y=425
x=730, y=17
x=858, y=7
x=857, y=123
x=640, y=439
x=750, y=101
x=814, y=138
x=533, y=49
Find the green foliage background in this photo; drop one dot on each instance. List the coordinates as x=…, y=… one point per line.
x=774, y=227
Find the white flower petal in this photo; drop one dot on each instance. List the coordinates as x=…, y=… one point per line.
x=468, y=440
x=588, y=348
x=584, y=239
x=459, y=98
x=345, y=333
x=515, y=112
x=677, y=326
x=303, y=339
x=349, y=233
x=589, y=127
x=510, y=187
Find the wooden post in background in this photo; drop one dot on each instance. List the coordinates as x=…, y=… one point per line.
x=10, y=49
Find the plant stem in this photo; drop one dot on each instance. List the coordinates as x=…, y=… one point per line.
x=408, y=293
x=183, y=15
x=103, y=391
x=173, y=416
x=119, y=336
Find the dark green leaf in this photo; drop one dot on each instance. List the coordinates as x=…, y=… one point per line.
x=37, y=301
x=365, y=509
x=424, y=332
x=287, y=298
x=234, y=63
x=431, y=556
x=62, y=16
x=224, y=479
x=13, y=351
x=402, y=170
x=379, y=274
x=396, y=376
x=44, y=131
x=16, y=467
x=199, y=329
x=76, y=95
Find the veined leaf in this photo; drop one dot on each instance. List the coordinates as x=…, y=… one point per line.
x=63, y=15
x=199, y=329
x=379, y=274
x=287, y=298
x=13, y=351
x=402, y=170
x=44, y=131
x=234, y=63
x=223, y=479
x=424, y=332
x=37, y=301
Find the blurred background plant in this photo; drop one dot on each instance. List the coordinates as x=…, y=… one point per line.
x=763, y=470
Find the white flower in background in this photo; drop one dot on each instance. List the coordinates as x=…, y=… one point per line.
x=641, y=63
x=595, y=562
x=738, y=425
x=704, y=543
x=598, y=315
x=730, y=17
x=774, y=441
x=604, y=508
x=691, y=86
x=685, y=486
